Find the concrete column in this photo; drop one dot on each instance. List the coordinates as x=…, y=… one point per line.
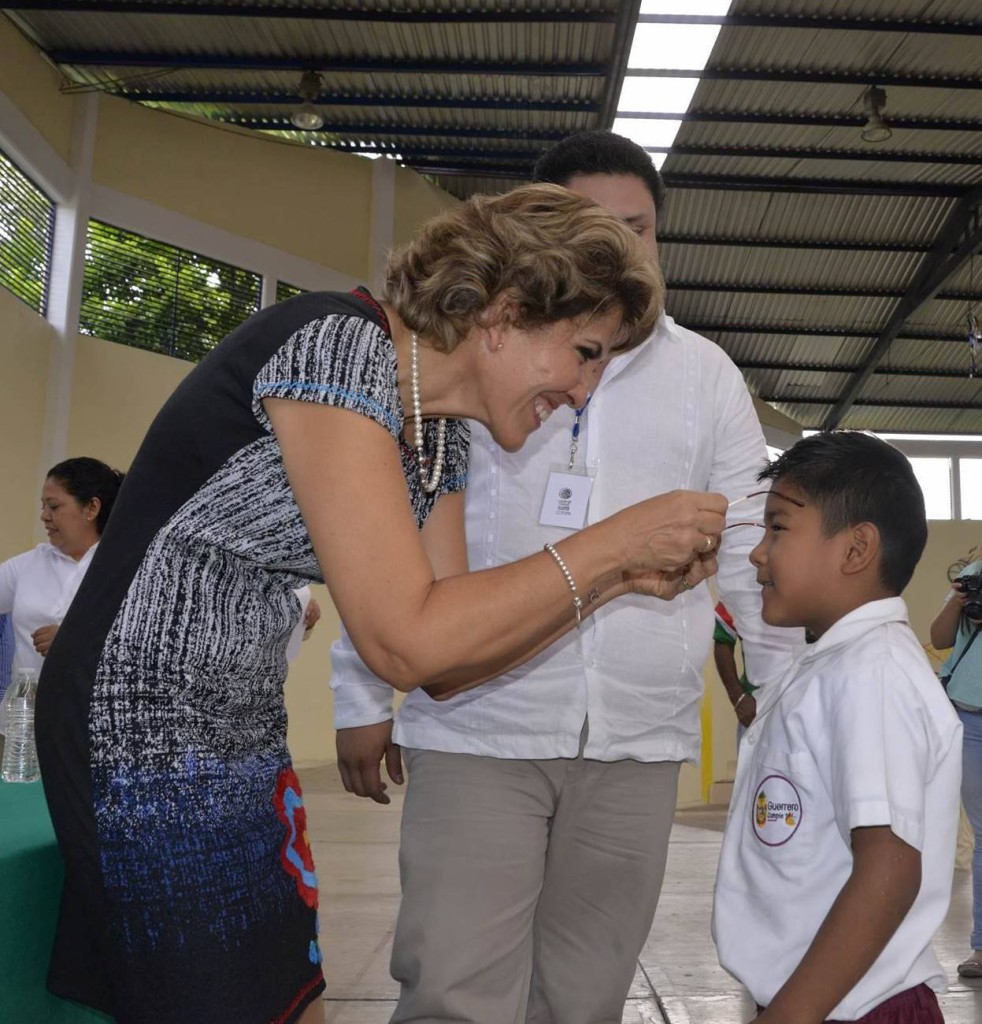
x=383, y=218
x=64, y=300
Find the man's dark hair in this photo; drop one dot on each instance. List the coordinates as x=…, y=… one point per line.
x=599, y=153
x=856, y=478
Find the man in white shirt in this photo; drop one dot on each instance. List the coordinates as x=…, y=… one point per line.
x=536, y=821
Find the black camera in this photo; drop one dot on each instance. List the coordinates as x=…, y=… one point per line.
x=972, y=588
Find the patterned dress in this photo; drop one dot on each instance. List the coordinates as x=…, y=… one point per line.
x=190, y=893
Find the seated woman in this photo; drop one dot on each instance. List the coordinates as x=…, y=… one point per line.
x=323, y=440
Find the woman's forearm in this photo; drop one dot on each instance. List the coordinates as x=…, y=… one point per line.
x=944, y=628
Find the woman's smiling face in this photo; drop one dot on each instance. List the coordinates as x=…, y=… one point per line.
x=537, y=371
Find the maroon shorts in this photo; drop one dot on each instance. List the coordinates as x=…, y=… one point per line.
x=917, y=1005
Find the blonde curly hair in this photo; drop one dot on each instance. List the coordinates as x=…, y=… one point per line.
x=557, y=255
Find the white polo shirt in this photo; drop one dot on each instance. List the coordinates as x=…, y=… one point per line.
x=36, y=589
x=673, y=413
x=860, y=733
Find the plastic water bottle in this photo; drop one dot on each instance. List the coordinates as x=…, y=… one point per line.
x=20, y=756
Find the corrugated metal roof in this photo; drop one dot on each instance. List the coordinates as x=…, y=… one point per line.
x=786, y=237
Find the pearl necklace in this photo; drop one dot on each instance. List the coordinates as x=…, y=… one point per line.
x=423, y=461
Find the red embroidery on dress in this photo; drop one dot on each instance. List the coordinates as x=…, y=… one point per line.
x=366, y=296
x=295, y=853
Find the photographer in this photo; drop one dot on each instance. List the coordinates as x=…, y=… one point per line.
x=957, y=626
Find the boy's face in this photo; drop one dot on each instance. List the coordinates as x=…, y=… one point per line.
x=797, y=565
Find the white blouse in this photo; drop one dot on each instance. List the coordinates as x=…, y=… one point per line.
x=36, y=589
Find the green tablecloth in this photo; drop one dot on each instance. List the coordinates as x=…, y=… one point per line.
x=31, y=877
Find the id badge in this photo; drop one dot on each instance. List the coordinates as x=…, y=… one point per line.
x=566, y=499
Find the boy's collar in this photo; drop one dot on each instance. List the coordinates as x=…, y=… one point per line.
x=857, y=623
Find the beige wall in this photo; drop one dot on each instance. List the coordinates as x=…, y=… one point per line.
x=309, y=201
x=26, y=342
x=116, y=392
x=33, y=86
x=416, y=200
x=947, y=542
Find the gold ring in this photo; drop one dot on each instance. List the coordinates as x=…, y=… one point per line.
x=709, y=543
x=685, y=584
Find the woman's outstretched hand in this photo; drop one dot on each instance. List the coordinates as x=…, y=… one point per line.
x=668, y=585
x=670, y=535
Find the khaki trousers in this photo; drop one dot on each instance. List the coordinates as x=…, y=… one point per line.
x=528, y=887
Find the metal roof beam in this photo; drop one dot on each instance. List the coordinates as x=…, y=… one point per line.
x=409, y=131
x=971, y=28
x=863, y=77
x=879, y=403
x=410, y=152
x=826, y=186
x=473, y=171
x=292, y=98
x=619, y=55
x=292, y=12
x=804, y=331
x=843, y=120
x=766, y=364
x=323, y=63
x=865, y=155
x=957, y=242
x=678, y=238
x=508, y=103
x=844, y=292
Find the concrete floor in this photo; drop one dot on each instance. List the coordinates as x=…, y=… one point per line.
x=678, y=980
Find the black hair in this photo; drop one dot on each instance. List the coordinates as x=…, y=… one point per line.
x=85, y=479
x=599, y=153
x=856, y=478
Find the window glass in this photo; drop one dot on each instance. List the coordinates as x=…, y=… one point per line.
x=26, y=230
x=934, y=476
x=146, y=293
x=287, y=291
x=970, y=474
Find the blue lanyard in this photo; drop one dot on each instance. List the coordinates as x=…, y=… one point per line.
x=575, y=434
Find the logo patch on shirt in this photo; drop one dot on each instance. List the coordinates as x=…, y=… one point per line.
x=776, y=810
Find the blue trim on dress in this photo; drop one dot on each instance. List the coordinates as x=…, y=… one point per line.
x=334, y=391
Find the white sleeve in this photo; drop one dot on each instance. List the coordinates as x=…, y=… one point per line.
x=9, y=574
x=296, y=637
x=881, y=742
x=740, y=454
x=360, y=697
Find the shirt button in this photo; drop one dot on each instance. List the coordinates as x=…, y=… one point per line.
x=751, y=739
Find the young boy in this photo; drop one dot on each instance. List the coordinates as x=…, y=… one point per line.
x=837, y=860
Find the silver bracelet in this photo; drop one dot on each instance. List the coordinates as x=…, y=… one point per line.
x=736, y=703
x=564, y=569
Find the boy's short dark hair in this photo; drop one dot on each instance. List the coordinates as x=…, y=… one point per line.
x=599, y=153
x=856, y=478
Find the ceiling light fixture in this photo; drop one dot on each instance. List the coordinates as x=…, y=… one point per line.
x=875, y=129
x=306, y=117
